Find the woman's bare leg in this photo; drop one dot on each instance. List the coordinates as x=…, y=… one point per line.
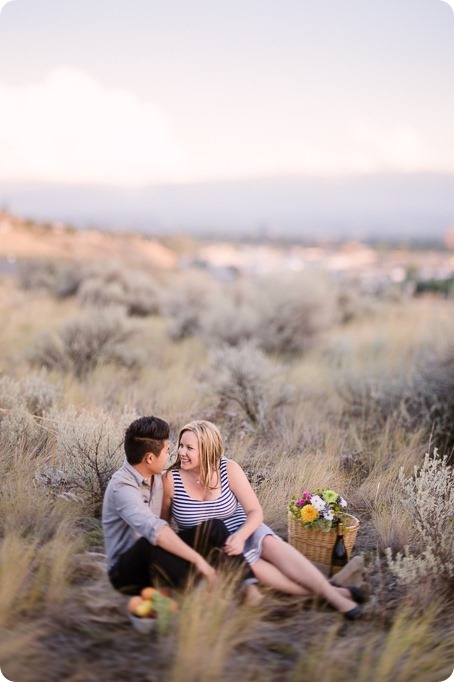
x=300, y=570
x=270, y=575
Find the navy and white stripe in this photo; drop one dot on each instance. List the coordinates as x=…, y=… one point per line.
x=188, y=511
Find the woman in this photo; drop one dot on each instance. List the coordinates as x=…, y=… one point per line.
x=202, y=484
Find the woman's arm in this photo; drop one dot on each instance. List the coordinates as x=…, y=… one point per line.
x=167, y=484
x=242, y=490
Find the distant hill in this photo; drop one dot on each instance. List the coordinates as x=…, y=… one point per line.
x=402, y=206
x=20, y=240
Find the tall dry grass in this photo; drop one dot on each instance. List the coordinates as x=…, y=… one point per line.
x=210, y=627
x=40, y=537
x=410, y=650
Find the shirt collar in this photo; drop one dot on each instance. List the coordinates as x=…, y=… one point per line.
x=139, y=478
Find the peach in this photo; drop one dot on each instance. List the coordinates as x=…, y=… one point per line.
x=133, y=603
x=145, y=609
x=148, y=592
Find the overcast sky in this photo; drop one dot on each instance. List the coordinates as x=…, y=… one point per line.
x=134, y=92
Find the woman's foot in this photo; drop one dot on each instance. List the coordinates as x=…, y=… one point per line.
x=339, y=599
x=352, y=592
x=353, y=614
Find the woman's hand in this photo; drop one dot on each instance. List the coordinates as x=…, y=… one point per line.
x=234, y=544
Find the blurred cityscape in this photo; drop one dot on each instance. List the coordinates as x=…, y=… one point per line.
x=373, y=268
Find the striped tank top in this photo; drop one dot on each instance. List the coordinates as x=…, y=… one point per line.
x=189, y=512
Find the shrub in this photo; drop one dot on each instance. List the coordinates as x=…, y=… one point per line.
x=99, y=284
x=183, y=304
x=293, y=311
x=37, y=274
x=229, y=320
x=116, y=285
x=245, y=376
x=430, y=397
x=428, y=496
x=10, y=393
x=425, y=399
x=95, y=337
x=89, y=450
x=442, y=287
x=39, y=394
x=20, y=402
x=20, y=430
x=59, y=278
x=280, y=315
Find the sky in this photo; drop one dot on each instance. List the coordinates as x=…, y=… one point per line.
x=143, y=92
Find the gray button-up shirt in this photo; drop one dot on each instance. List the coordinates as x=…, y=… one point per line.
x=130, y=511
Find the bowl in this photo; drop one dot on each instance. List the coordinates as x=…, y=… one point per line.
x=142, y=625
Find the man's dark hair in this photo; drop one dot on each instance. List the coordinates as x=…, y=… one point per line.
x=146, y=434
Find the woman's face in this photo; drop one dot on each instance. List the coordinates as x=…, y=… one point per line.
x=188, y=451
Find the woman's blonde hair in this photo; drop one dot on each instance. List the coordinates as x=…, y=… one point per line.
x=211, y=448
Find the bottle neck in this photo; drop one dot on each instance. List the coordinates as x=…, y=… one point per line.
x=340, y=529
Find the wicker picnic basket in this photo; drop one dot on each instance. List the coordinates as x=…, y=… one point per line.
x=317, y=545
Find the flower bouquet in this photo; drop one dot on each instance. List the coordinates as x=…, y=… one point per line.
x=320, y=509
x=312, y=523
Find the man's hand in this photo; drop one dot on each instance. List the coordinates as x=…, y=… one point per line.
x=204, y=568
x=234, y=545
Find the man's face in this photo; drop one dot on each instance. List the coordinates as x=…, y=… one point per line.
x=157, y=463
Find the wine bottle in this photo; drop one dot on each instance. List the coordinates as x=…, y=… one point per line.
x=339, y=556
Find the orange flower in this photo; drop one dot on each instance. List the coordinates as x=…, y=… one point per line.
x=309, y=513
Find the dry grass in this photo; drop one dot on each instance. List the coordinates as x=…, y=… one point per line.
x=410, y=650
x=59, y=617
x=210, y=626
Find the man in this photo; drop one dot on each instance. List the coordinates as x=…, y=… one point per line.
x=141, y=548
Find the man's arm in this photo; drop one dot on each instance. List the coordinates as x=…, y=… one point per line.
x=131, y=508
x=169, y=540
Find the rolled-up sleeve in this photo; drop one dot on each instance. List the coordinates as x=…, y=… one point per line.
x=135, y=513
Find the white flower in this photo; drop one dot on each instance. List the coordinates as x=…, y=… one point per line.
x=328, y=515
x=317, y=502
x=342, y=502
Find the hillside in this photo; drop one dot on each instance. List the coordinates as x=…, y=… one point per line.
x=20, y=239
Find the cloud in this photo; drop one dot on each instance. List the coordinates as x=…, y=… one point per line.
x=380, y=148
x=357, y=145
x=71, y=128
x=450, y=3
x=3, y=3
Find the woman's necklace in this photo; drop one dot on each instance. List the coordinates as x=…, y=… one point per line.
x=197, y=480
